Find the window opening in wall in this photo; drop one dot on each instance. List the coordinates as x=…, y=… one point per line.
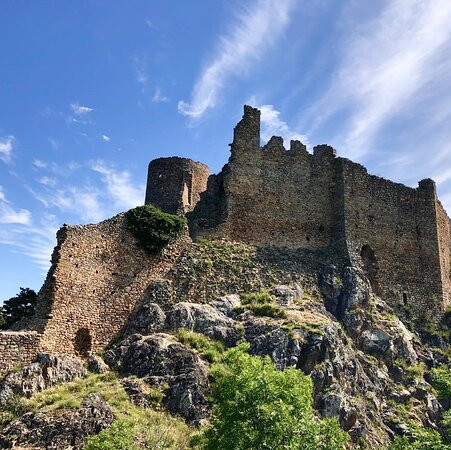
x=405, y=298
x=83, y=342
x=321, y=228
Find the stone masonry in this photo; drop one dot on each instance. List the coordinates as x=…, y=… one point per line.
x=268, y=197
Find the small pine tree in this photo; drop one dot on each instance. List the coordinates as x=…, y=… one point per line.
x=18, y=307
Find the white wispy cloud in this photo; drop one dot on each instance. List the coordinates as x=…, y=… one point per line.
x=122, y=190
x=39, y=164
x=47, y=181
x=10, y=215
x=273, y=125
x=159, y=97
x=385, y=66
x=106, y=138
x=80, y=110
x=6, y=148
x=256, y=28
x=54, y=143
x=36, y=242
x=140, y=66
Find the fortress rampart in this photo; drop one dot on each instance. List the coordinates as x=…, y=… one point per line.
x=265, y=196
x=290, y=198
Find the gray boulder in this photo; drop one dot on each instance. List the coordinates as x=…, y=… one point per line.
x=97, y=365
x=203, y=319
x=227, y=303
x=46, y=372
x=376, y=342
x=161, y=360
x=56, y=430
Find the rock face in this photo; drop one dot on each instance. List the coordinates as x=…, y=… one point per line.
x=46, y=372
x=163, y=362
x=56, y=430
x=203, y=319
x=97, y=365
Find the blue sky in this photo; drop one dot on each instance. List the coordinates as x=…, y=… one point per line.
x=92, y=90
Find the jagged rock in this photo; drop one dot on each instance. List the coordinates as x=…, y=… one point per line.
x=134, y=390
x=286, y=296
x=272, y=340
x=161, y=360
x=330, y=404
x=97, y=365
x=56, y=430
x=345, y=290
x=47, y=371
x=148, y=319
x=203, y=319
x=227, y=303
x=377, y=342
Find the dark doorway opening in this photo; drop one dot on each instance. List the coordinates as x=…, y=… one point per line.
x=370, y=267
x=83, y=342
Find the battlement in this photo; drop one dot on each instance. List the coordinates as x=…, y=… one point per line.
x=268, y=195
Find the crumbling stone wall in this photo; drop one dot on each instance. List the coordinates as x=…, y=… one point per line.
x=175, y=184
x=274, y=196
x=98, y=276
x=17, y=349
x=397, y=226
x=291, y=198
x=444, y=240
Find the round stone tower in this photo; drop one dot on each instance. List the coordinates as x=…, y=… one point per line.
x=174, y=184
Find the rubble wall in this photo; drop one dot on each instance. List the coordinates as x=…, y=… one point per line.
x=98, y=276
x=17, y=349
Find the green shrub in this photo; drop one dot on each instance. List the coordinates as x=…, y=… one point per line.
x=154, y=229
x=120, y=436
x=441, y=380
x=419, y=439
x=256, y=406
x=261, y=304
x=212, y=350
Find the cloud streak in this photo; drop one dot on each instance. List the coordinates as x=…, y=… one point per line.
x=385, y=66
x=6, y=148
x=255, y=30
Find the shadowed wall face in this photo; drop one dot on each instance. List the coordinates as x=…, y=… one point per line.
x=174, y=184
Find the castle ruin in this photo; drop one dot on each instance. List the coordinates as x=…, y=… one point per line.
x=264, y=196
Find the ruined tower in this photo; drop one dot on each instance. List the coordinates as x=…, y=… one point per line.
x=174, y=184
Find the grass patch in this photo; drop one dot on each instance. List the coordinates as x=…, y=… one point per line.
x=212, y=350
x=149, y=428
x=154, y=229
x=261, y=304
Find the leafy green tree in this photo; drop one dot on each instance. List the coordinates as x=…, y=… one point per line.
x=419, y=439
x=256, y=406
x=18, y=307
x=441, y=380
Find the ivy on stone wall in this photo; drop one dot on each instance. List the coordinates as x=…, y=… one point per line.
x=153, y=228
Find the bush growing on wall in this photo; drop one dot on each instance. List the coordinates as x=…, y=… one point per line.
x=154, y=229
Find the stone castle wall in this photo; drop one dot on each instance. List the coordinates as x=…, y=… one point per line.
x=17, y=349
x=391, y=229
x=291, y=198
x=98, y=277
x=175, y=184
x=444, y=235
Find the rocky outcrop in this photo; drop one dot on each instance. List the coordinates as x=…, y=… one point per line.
x=97, y=365
x=203, y=319
x=46, y=372
x=166, y=364
x=59, y=430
